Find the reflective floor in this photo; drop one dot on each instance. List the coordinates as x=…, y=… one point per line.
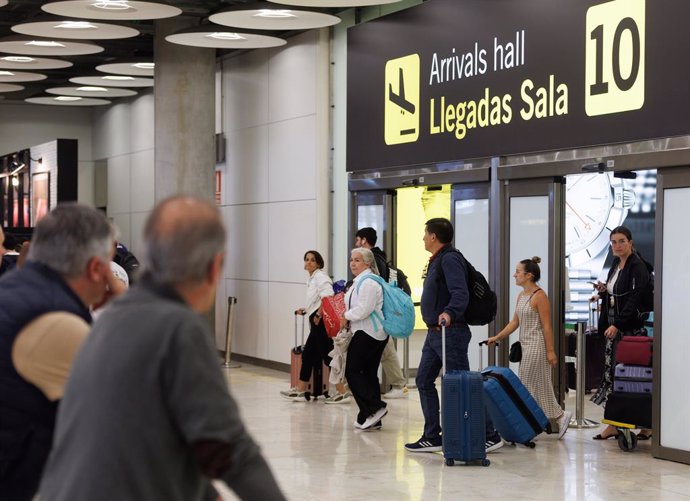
x=317, y=455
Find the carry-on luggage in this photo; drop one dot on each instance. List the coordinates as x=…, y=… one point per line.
x=632, y=408
x=637, y=372
x=595, y=346
x=514, y=412
x=635, y=350
x=319, y=373
x=628, y=386
x=462, y=414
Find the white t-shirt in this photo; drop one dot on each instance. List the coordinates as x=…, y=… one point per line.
x=363, y=298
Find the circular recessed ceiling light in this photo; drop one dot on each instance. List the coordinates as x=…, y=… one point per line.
x=3, y=3
x=91, y=91
x=220, y=38
x=31, y=63
x=51, y=27
x=133, y=68
x=23, y=45
x=19, y=76
x=333, y=3
x=255, y=16
x=114, y=81
x=67, y=101
x=111, y=9
x=10, y=87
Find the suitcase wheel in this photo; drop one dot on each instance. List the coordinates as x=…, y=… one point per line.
x=627, y=441
x=531, y=445
x=307, y=396
x=450, y=462
x=486, y=462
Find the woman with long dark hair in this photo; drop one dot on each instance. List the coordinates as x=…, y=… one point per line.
x=621, y=299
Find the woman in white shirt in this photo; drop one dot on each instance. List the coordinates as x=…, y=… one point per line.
x=318, y=345
x=365, y=297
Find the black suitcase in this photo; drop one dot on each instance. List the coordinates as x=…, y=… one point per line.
x=595, y=346
x=629, y=408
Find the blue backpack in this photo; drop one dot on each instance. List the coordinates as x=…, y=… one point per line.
x=398, y=309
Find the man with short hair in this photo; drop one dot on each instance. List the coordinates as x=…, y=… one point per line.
x=146, y=413
x=67, y=271
x=444, y=299
x=366, y=237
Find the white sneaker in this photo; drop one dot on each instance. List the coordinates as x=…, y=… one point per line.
x=563, y=423
x=374, y=418
x=396, y=393
x=339, y=398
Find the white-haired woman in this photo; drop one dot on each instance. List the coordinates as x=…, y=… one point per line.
x=368, y=340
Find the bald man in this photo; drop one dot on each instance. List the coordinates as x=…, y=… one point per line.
x=146, y=413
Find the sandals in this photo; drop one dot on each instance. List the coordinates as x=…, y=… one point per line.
x=599, y=436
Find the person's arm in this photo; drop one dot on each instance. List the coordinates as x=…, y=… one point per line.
x=208, y=417
x=454, y=270
x=506, y=331
x=543, y=306
x=367, y=297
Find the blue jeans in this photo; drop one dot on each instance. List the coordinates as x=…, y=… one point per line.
x=457, y=342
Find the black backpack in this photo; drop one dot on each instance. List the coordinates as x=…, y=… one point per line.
x=483, y=303
x=647, y=298
x=398, y=276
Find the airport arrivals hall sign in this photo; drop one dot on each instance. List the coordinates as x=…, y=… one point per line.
x=460, y=79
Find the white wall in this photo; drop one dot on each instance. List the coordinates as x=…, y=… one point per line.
x=26, y=125
x=275, y=195
x=123, y=137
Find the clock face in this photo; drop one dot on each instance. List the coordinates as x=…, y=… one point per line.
x=588, y=201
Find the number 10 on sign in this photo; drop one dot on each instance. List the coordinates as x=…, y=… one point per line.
x=615, y=57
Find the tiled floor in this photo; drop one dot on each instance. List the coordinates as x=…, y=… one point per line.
x=317, y=455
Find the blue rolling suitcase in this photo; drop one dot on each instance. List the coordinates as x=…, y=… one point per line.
x=462, y=414
x=514, y=412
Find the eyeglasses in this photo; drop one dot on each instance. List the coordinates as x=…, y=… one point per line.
x=622, y=241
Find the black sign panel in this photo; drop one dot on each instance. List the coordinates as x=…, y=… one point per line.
x=450, y=80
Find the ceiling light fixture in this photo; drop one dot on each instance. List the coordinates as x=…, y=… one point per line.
x=92, y=89
x=76, y=25
x=334, y=3
x=226, y=36
x=18, y=59
x=144, y=66
x=67, y=98
x=213, y=37
x=112, y=5
x=45, y=43
x=6, y=73
x=255, y=16
x=117, y=77
x=275, y=13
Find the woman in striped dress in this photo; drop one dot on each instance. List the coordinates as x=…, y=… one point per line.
x=533, y=316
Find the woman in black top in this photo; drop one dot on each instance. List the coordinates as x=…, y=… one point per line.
x=621, y=306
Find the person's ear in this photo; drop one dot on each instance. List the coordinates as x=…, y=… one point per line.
x=94, y=269
x=215, y=271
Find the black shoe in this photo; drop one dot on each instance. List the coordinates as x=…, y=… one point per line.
x=425, y=445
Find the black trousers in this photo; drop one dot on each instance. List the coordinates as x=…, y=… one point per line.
x=316, y=349
x=363, y=359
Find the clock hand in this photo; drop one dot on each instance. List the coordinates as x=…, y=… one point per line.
x=587, y=225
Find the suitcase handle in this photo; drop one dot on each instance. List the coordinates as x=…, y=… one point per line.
x=486, y=342
x=298, y=347
x=443, y=347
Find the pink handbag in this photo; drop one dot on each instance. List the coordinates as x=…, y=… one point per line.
x=332, y=308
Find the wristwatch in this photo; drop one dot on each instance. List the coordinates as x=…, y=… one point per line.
x=595, y=204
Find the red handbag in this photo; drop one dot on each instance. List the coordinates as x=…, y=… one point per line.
x=635, y=350
x=332, y=308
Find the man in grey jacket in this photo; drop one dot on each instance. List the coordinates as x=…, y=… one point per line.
x=146, y=414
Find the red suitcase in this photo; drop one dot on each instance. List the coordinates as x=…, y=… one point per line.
x=296, y=365
x=635, y=350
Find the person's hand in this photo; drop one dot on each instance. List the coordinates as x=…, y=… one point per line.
x=343, y=322
x=600, y=287
x=444, y=316
x=300, y=311
x=317, y=319
x=552, y=358
x=492, y=340
x=611, y=332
